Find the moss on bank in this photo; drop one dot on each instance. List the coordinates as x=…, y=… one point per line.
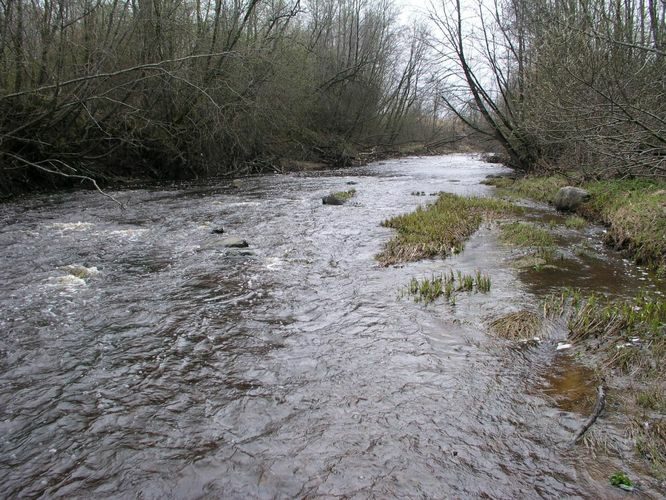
x=633, y=210
x=439, y=229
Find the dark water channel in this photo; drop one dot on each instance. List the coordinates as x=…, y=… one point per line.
x=167, y=366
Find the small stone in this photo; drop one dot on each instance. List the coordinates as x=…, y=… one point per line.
x=219, y=230
x=561, y=346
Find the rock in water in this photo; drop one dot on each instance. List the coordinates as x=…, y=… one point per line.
x=219, y=230
x=332, y=200
x=234, y=242
x=569, y=198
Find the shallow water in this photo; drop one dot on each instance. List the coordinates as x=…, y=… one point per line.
x=165, y=366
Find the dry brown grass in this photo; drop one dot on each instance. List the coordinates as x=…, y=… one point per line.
x=520, y=325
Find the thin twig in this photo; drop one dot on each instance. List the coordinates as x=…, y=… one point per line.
x=149, y=66
x=63, y=174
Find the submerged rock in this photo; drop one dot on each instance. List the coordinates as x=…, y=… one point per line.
x=81, y=272
x=234, y=242
x=569, y=198
x=332, y=200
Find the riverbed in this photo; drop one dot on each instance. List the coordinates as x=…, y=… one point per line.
x=140, y=358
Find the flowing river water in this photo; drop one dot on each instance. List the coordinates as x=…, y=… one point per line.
x=167, y=366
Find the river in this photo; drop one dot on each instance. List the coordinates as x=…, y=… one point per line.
x=166, y=366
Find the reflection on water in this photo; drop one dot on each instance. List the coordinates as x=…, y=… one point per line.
x=290, y=369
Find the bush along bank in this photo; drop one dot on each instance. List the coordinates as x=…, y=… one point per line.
x=634, y=211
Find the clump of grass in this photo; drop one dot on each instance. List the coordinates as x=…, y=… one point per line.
x=630, y=333
x=439, y=229
x=518, y=325
x=499, y=182
x=345, y=195
x=525, y=234
x=650, y=439
x=428, y=290
x=541, y=189
x=620, y=479
x=482, y=282
x=652, y=398
x=575, y=222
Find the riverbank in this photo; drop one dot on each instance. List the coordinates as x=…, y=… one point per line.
x=634, y=211
x=621, y=339
x=145, y=172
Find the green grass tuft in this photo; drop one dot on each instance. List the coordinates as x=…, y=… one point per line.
x=439, y=229
x=345, y=195
x=525, y=234
x=428, y=290
x=541, y=189
x=575, y=222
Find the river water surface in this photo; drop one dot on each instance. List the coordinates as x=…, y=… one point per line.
x=166, y=366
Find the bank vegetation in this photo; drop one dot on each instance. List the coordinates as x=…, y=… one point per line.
x=575, y=87
x=181, y=88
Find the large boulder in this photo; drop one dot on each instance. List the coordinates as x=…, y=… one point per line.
x=569, y=198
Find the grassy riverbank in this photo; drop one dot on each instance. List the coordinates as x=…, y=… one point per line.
x=439, y=229
x=633, y=210
x=625, y=341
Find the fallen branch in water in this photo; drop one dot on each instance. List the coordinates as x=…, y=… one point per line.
x=598, y=408
x=56, y=171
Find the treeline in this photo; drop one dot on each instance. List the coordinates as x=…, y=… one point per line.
x=576, y=86
x=181, y=88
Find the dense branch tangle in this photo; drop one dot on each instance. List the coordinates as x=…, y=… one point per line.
x=574, y=85
x=189, y=87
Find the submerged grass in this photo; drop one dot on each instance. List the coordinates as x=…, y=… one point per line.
x=428, y=290
x=528, y=235
x=639, y=322
x=518, y=325
x=652, y=398
x=439, y=229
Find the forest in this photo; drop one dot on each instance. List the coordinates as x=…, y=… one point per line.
x=113, y=90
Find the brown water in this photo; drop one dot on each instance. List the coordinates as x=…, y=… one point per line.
x=291, y=369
